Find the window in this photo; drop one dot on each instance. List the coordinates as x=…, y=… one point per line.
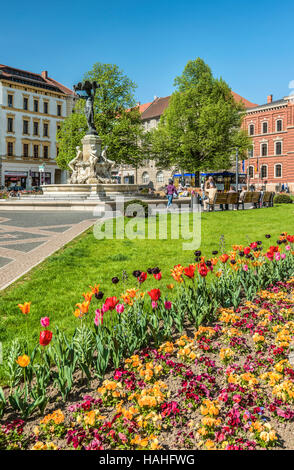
x=59, y=110
x=45, y=151
x=251, y=129
x=279, y=125
x=278, y=170
x=10, y=101
x=278, y=147
x=36, y=151
x=45, y=130
x=250, y=152
x=25, y=103
x=251, y=171
x=25, y=150
x=263, y=150
x=25, y=127
x=9, y=124
x=10, y=149
x=264, y=127
x=263, y=171
x=45, y=107
x=36, y=106
x=159, y=177
x=145, y=177
x=36, y=128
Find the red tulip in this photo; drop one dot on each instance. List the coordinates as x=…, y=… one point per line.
x=247, y=250
x=45, y=337
x=224, y=258
x=189, y=272
x=157, y=276
x=155, y=294
x=202, y=269
x=111, y=302
x=142, y=277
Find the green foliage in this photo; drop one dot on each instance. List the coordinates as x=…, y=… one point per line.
x=117, y=121
x=282, y=199
x=201, y=126
x=143, y=210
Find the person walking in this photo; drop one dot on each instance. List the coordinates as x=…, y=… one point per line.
x=171, y=190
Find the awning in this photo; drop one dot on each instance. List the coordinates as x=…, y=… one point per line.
x=15, y=173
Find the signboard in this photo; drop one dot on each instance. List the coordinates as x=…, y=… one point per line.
x=41, y=168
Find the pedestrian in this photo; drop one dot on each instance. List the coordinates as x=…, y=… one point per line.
x=171, y=190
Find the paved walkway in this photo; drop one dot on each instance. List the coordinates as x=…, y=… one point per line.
x=27, y=238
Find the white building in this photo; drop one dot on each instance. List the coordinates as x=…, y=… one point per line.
x=32, y=107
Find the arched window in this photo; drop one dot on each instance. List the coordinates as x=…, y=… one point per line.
x=251, y=129
x=263, y=171
x=251, y=171
x=278, y=170
x=159, y=177
x=278, y=148
x=279, y=125
x=263, y=150
x=145, y=177
x=264, y=127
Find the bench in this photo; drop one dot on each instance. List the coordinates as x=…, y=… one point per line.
x=251, y=197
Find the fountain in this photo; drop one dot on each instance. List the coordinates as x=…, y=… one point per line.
x=90, y=169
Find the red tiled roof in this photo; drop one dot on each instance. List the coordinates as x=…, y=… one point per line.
x=157, y=107
x=34, y=79
x=247, y=103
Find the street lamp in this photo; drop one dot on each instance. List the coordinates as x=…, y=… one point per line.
x=237, y=168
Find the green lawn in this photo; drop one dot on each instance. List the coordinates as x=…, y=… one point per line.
x=55, y=286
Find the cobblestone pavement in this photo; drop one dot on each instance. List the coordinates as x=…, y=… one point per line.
x=27, y=238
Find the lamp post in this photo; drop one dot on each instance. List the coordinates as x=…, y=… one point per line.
x=237, y=168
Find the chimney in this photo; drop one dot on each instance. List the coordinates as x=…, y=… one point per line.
x=270, y=98
x=44, y=74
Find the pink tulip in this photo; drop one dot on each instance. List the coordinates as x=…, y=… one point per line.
x=154, y=304
x=167, y=305
x=45, y=322
x=98, y=320
x=104, y=308
x=245, y=267
x=283, y=256
x=288, y=247
x=277, y=256
x=119, y=308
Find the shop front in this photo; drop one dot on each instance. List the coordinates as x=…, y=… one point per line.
x=15, y=178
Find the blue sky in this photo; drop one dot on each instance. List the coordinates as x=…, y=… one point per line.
x=249, y=44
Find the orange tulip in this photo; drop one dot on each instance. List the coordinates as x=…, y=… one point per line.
x=84, y=307
x=25, y=307
x=88, y=296
x=95, y=288
x=23, y=361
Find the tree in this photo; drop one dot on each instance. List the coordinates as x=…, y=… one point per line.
x=201, y=126
x=117, y=120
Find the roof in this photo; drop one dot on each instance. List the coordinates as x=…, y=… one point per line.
x=33, y=79
x=247, y=103
x=269, y=105
x=157, y=107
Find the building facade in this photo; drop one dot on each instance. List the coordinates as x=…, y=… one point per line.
x=149, y=172
x=270, y=162
x=32, y=107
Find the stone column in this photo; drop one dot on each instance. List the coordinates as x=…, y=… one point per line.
x=89, y=140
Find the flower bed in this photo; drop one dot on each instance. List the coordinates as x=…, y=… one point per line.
x=226, y=383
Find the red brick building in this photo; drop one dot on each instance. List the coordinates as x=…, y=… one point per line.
x=271, y=160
